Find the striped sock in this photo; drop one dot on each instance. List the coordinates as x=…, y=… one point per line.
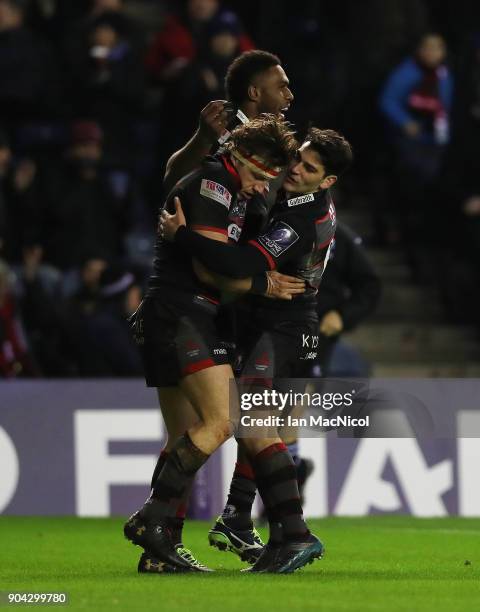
x=174, y=480
x=158, y=468
x=276, y=478
x=180, y=511
x=238, y=510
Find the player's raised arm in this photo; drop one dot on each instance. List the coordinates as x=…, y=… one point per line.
x=212, y=123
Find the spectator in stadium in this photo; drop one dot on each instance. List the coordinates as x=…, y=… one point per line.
x=5, y=164
x=77, y=22
x=29, y=83
x=82, y=213
x=349, y=293
x=416, y=102
x=50, y=330
x=107, y=79
x=183, y=38
x=19, y=214
x=203, y=79
x=460, y=261
x=106, y=330
x=15, y=357
x=82, y=286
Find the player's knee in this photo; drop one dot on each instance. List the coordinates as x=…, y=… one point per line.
x=223, y=430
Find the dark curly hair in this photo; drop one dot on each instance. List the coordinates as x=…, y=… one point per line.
x=243, y=70
x=333, y=149
x=266, y=136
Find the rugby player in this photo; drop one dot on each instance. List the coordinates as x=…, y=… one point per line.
x=255, y=83
x=296, y=241
x=183, y=355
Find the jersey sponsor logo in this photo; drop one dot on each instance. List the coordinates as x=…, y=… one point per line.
x=301, y=200
x=279, y=238
x=234, y=232
x=215, y=191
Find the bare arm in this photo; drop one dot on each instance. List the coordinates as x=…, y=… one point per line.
x=212, y=123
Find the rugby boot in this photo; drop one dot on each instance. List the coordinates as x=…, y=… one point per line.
x=246, y=543
x=266, y=560
x=155, y=538
x=294, y=555
x=148, y=564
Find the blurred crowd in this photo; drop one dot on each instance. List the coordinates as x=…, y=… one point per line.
x=96, y=94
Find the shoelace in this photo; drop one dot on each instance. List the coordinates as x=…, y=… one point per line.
x=256, y=538
x=188, y=556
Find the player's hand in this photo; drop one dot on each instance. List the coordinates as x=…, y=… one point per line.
x=213, y=120
x=331, y=323
x=169, y=224
x=283, y=287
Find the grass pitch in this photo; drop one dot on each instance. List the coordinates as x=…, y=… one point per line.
x=375, y=563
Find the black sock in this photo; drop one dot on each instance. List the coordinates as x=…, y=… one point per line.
x=238, y=510
x=177, y=474
x=158, y=468
x=276, y=478
x=180, y=511
x=176, y=526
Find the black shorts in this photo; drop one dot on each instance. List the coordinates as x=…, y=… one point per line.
x=177, y=337
x=276, y=350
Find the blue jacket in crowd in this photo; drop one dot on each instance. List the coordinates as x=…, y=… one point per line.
x=394, y=96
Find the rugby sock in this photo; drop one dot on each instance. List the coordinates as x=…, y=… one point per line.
x=180, y=510
x=237, y=513
x=276, y=478
x=174, y=480
x=158, y=468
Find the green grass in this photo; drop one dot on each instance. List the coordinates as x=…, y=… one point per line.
x=374, y=563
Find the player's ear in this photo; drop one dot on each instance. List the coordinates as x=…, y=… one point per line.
x=328, y=181
x=253, y=93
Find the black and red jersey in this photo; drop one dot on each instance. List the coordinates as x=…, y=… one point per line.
x=209, y=201
x=297, y=241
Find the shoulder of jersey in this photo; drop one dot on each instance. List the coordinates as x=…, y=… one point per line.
x=215, y=183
